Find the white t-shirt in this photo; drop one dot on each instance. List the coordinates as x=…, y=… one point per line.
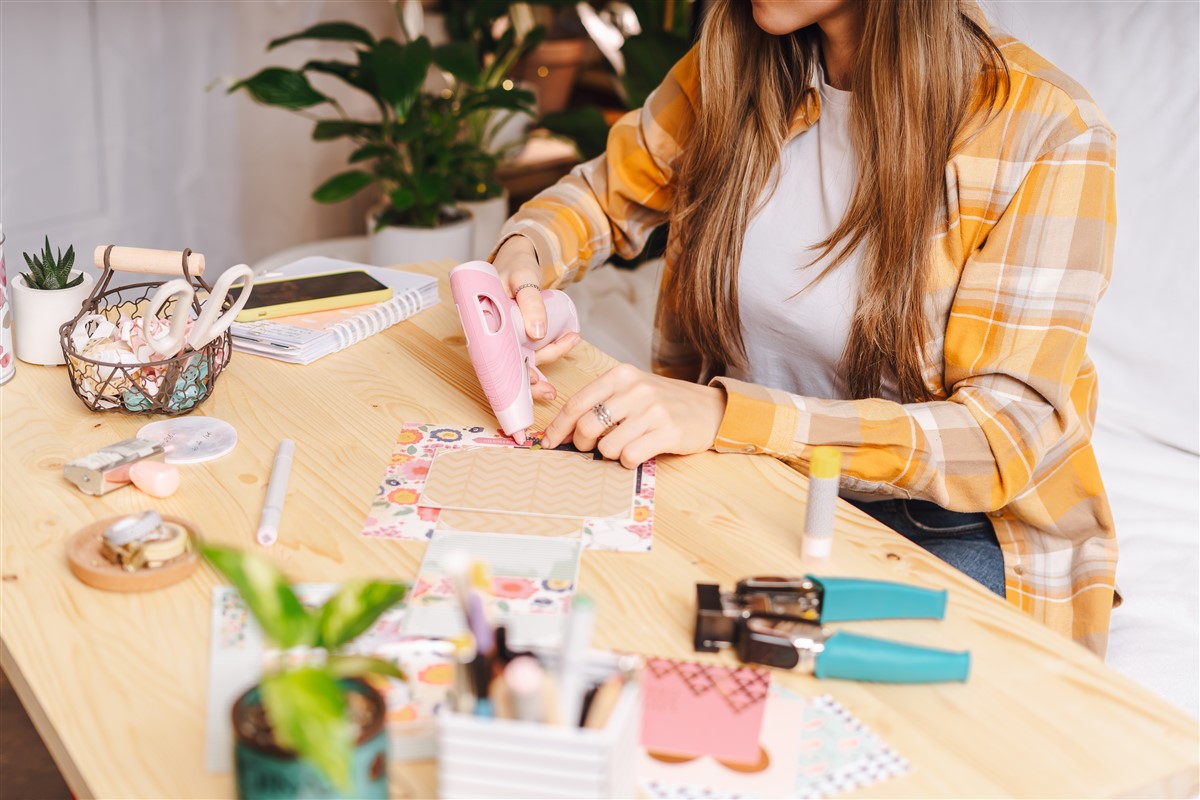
x=795, y=339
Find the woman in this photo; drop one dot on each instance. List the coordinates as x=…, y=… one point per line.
x=889, y=233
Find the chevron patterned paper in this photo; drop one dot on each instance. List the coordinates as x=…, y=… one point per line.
x=545, y=483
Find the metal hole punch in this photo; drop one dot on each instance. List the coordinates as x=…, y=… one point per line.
x=778, y=622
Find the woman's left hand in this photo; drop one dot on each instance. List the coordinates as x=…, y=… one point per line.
x=656, y=415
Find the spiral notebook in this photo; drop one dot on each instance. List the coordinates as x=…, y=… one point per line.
x=304, y=338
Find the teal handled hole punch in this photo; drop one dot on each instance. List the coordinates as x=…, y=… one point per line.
x=779, y=622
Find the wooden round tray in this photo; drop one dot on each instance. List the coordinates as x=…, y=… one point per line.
x=86, y=562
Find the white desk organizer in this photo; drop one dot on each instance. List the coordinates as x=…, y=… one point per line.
x=484, y=757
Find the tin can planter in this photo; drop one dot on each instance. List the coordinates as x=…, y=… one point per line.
x=265, y=771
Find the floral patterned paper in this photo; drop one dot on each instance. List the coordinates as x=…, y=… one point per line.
x=397, y=513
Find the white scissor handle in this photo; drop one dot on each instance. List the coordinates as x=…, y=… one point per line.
x=171, y=342
x=212, y=323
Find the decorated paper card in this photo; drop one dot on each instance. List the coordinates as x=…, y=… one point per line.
x=483, y=481
x=517, y=480
x=533, y=579
x=809, y=747
x=691, y=709
x=239, y=653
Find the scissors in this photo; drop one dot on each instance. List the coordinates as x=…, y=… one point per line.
x=210, y=324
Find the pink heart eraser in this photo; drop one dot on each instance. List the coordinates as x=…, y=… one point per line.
x=155, y=478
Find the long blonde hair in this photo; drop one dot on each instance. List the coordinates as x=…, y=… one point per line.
x=923, y=69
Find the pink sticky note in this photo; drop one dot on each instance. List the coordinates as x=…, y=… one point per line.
x=692, y=709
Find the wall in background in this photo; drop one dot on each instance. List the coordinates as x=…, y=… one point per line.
x=109, y=133
x=1141, y=63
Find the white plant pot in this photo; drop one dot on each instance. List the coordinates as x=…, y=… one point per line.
x=403, y=245
x=490, y=216
x=38, y=315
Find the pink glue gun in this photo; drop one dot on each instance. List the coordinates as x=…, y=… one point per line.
x=496, y=341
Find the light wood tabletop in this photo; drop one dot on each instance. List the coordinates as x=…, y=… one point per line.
x=116, y=684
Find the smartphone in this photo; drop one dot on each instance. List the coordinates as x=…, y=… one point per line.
x=284, y=297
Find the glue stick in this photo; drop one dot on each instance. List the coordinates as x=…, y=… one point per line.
x=823, y=470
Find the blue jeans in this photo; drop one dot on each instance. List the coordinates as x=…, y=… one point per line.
x=965, y=541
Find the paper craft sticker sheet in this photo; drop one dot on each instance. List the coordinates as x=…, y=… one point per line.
x=693, y=709
x=503, y=486
x=809, y=747
x=533, y=579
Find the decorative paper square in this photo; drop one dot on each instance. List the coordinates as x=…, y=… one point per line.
x=605, y=505
x=809, y=748
x=516, y=480
x=532, y=578
x=239, y=653
x=692, y=709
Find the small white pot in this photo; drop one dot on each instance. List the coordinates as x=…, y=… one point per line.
x=403, y=245
x=490, y=216
x=38, y=315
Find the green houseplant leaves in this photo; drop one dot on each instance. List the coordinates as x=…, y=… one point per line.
x=305, y=705
x=422, y=151
x=48, y=272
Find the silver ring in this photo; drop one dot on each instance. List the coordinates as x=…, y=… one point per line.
x=526, y=286
x=605, y=418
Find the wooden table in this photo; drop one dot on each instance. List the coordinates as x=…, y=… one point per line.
x=116, y=684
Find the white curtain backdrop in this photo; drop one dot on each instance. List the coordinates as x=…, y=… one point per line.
x=108, y=133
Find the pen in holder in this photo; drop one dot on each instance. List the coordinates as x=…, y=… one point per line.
x=492, y=757
x=155, y=347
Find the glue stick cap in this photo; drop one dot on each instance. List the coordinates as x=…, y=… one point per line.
x=826, y=462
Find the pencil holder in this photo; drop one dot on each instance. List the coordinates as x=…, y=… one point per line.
x=108, y=360
x=487, y=757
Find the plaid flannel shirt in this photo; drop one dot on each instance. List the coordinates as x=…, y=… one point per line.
x=1021, y=256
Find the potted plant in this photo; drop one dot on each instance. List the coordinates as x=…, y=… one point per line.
x=44, y=298
x=312, y=727
x=487, y=41
x=412, y=150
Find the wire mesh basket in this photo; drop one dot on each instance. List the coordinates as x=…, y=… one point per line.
x=108, y=378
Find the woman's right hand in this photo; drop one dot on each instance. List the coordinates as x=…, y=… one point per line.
x=516, y=263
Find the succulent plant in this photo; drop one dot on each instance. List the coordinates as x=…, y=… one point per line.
x=48, y=272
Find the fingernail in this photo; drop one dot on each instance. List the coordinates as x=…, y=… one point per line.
x=548, y=395
x=539, y=330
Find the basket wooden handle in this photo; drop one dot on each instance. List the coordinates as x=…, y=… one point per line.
x=142, y=259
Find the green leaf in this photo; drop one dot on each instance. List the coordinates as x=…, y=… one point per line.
x=429, y=186
x=499, y=98
x=276, y=86
x=459, y=59
x=342, y=186
x=354, y=608
x=328, y=129
x=328, y=31
x=68, y=261
x=350, y=73
x=400, y=71
x=649, y=56
x=585, y=126
x=369, y=151
x=403, y=199
x=285, y=622
x=357, y=666
x=78, y=280
x=307, y=712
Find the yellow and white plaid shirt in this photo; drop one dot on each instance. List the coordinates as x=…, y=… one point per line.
x=1021, y=257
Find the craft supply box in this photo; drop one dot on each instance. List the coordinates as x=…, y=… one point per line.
x=487, y=757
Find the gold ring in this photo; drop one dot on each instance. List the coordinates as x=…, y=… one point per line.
x=601, y=412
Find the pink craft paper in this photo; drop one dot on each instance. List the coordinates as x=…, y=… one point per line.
x=692, y=709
